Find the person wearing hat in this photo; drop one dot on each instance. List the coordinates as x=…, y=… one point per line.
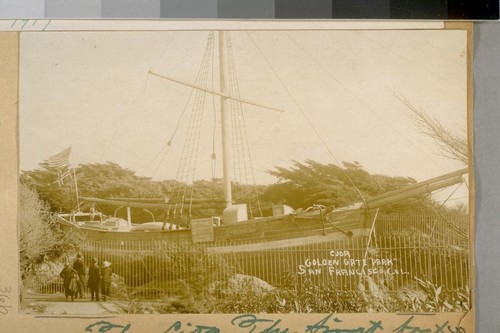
x=79, y=267
x=106, y=279
x=94, y=280
x=69, y=276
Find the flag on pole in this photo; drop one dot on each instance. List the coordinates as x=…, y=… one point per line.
x=59, y=160
x=61, y=163
x=61, y=176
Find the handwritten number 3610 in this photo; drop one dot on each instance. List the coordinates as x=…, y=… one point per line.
x=4, y=309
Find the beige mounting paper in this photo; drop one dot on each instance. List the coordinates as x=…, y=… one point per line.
x=22, y=50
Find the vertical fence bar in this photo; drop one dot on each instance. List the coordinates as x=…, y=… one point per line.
x=408, y=260
x=446, y=257
x=458, y=265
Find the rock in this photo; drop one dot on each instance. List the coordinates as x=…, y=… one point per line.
x=118, y=287
x=247, y=283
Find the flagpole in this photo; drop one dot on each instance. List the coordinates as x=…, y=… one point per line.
x=76, y=190
x=76, y=185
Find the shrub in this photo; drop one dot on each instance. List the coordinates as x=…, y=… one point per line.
x=40, y=237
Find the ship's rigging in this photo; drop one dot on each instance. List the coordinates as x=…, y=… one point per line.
x=235, y=145
x=233, y=129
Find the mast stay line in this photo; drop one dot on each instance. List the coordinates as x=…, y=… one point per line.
x=221, y=94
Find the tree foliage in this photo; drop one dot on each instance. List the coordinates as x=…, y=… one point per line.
x=107, y=180
x=453, y=145
x=309, y=183
x=113, y=181
x=44, y=182
x=300, y=186
x=39, y=233
x=110, y=180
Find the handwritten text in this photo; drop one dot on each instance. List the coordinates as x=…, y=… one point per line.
x=5, y=300
x=251, y=323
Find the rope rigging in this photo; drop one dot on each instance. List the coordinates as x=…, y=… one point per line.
x=183, y=189
x=186, y=171
x=213, y=161
x=323, y=142
x=242, y=161
x=445, y=219
x=134, y=101
x=166, y=147
x=362, y=102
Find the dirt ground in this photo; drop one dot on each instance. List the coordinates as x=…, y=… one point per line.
x=37, y=304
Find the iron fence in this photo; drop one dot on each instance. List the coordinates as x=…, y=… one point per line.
x=438, y=226
x=392, y=260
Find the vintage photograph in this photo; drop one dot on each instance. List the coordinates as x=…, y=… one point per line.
x=244, y=171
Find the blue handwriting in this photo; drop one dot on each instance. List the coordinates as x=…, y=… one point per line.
x=439, y=328
x=177, y=327
x=105, y=326
x=250, y=321
x=322, y=327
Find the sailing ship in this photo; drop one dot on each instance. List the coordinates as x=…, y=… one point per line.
x=286, y=226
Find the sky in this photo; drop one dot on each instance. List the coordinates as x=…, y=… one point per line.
x=338, y=89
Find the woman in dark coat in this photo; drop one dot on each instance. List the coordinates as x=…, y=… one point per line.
x=94, y=280
x=70, y=278
x=106, y=279
x=79, y=267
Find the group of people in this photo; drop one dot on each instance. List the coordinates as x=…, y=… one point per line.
x=76, y=278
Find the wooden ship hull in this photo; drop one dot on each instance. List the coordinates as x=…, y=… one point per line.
x=282, y=230
x=260, y=229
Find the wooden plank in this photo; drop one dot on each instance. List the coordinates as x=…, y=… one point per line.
x=202, y=230
x=132, y=204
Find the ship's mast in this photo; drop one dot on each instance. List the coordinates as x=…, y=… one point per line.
x=225, y=122
x=225, y=97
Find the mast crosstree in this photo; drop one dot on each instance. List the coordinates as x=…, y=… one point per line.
x=227, y=98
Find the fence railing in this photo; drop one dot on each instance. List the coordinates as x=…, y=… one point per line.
x=403, y=251
x=437, y=226
x=154, y=268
